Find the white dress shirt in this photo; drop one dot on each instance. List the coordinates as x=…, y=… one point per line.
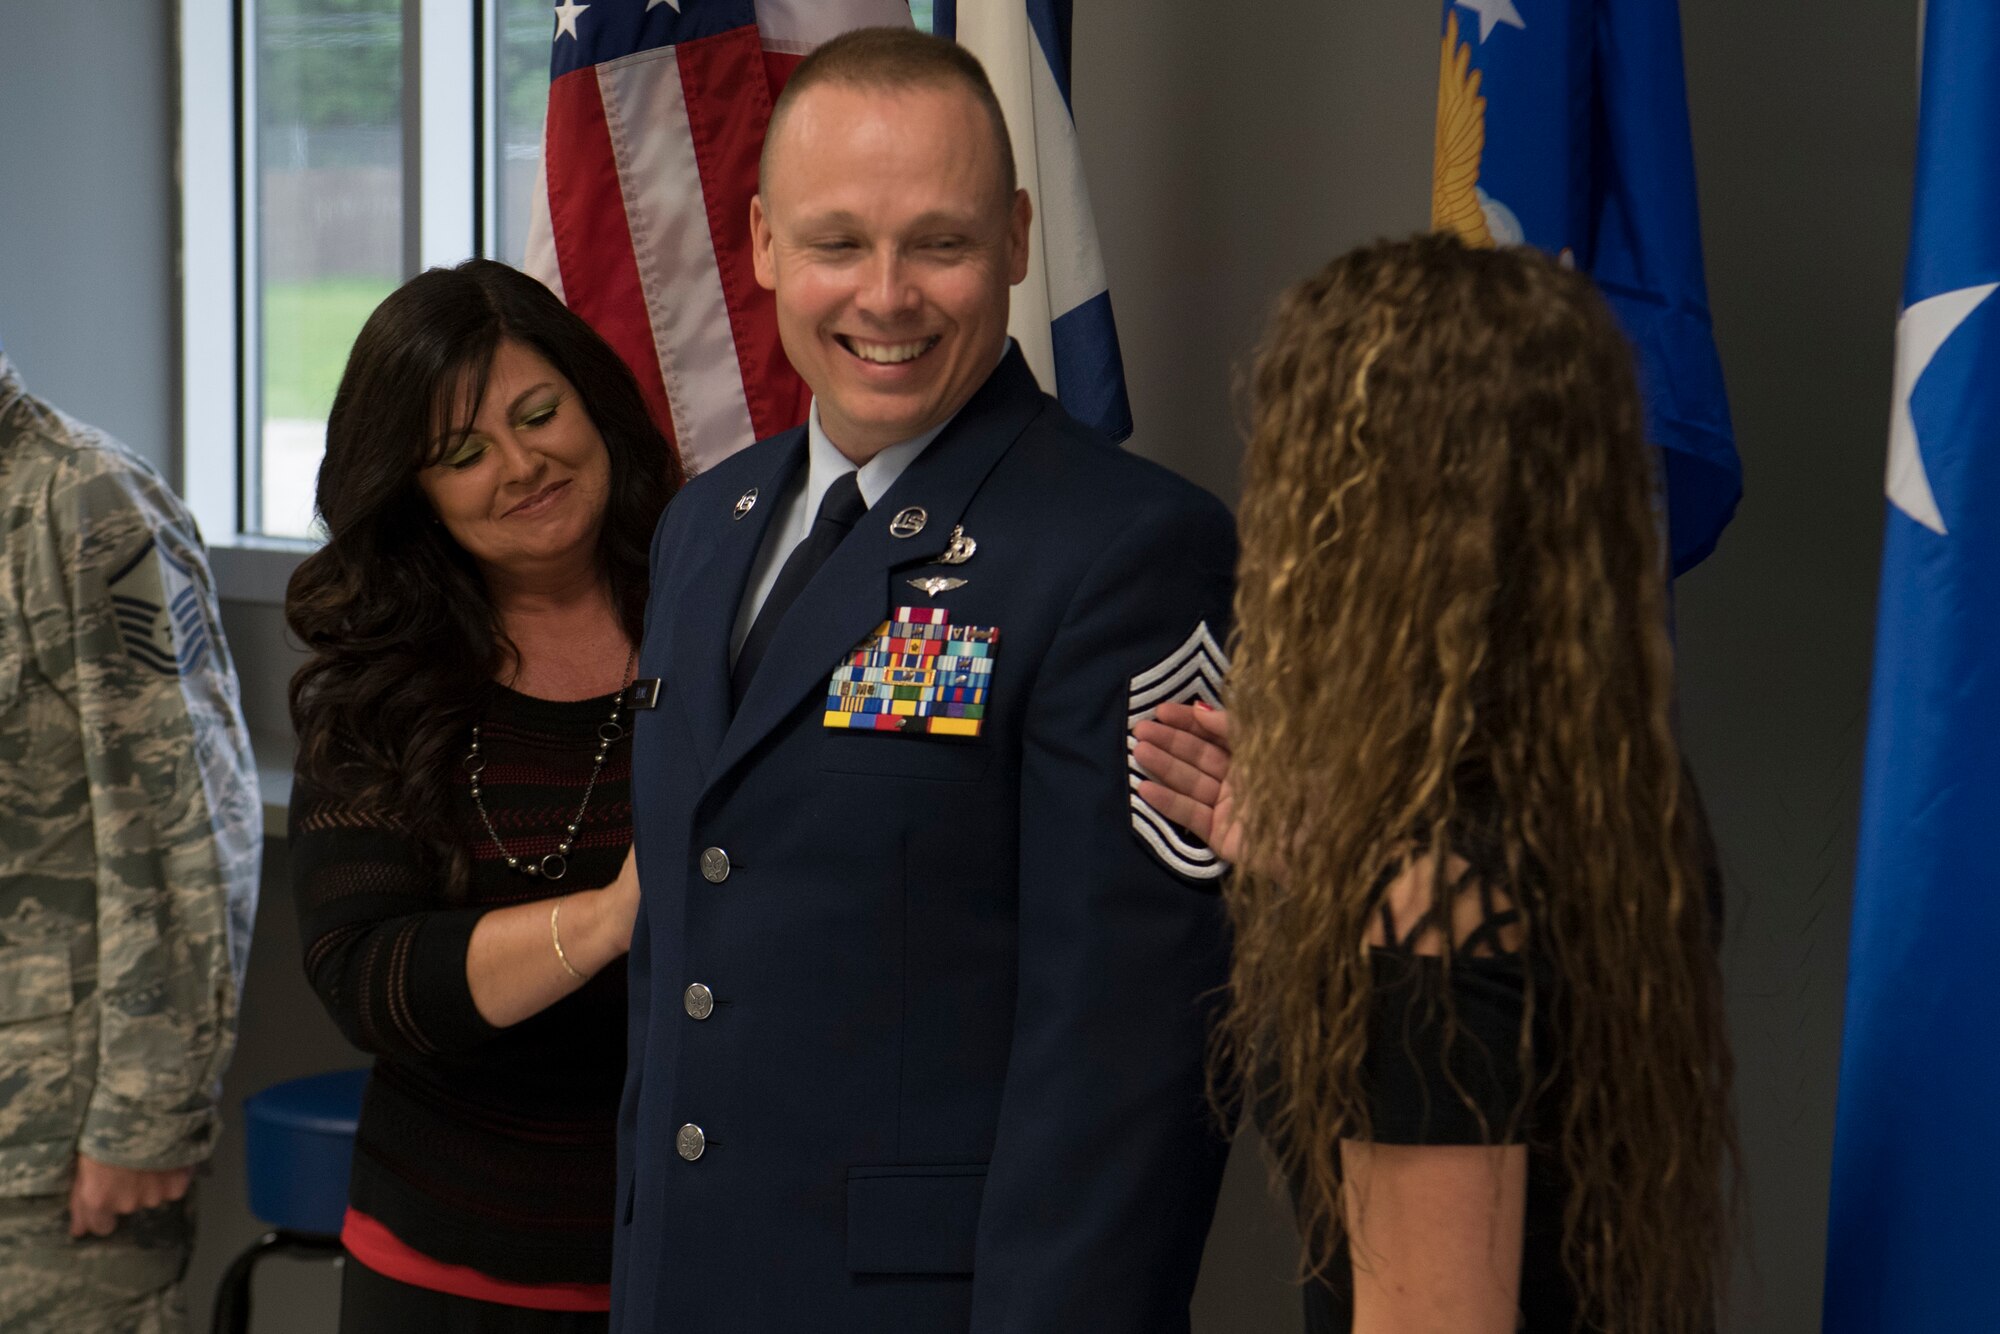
x=799, y=506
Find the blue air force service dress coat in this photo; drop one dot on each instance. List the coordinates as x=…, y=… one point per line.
x=920, y=995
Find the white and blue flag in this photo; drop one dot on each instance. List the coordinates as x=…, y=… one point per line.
x=1915, y=1219
x=1061, y=313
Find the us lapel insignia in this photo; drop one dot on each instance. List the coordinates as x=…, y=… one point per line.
x=909, y=522
x=960, y=549
x=915, y=673
x=1194, y=671
x=935, y=585
x=746, y=502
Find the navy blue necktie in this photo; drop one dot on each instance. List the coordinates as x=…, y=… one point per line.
x=838, y=513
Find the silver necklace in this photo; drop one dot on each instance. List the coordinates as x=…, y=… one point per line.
x=553, y=866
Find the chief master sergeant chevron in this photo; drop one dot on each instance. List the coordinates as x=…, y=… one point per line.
x=129, y=841
x=920, y=998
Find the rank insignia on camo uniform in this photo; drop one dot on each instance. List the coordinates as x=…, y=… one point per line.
x=915, y=673
x=158, y=611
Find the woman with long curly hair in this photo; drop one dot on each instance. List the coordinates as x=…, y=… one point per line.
x=461, y=818
x=1475, y=999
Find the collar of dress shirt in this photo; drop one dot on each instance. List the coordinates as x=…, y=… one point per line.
x=825, y=463
x=800, y=504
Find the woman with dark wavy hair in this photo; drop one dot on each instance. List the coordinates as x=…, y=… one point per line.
x=461, y=818
x=1475, y=996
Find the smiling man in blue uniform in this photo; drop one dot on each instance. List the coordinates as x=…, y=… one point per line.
x=921, y=992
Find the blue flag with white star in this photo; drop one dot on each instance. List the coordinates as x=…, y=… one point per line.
x=1563, y=125
x=1914, y=1225
x=1061, y=314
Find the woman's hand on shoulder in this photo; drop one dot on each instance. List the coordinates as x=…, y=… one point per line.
x=1184, y=750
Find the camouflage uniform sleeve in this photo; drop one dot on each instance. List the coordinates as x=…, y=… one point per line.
x=175, y=813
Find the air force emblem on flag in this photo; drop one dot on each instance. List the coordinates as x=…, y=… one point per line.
x=158, y=612
x=1192, y=672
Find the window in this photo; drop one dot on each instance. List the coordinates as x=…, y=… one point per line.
x=325, y=224
x=521, y=95
x=330, y=149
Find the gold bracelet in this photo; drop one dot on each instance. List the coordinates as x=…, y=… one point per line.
x=555, y=938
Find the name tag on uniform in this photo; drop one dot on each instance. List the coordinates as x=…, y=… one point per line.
x=915, y=673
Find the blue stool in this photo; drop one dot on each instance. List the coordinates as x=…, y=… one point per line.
x=298, y=1143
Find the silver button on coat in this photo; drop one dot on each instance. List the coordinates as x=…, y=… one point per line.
x=714, y=865
x=698, y=1000
x=690, y=1143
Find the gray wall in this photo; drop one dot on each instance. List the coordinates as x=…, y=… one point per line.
x=1776, y=629
x=87, y=212
x=1226, y=159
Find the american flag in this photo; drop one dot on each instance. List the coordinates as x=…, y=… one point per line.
x=657, y=111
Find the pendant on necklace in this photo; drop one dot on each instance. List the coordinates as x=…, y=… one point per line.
x=556, y=864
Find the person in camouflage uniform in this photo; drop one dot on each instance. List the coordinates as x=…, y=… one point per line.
x=130, y=833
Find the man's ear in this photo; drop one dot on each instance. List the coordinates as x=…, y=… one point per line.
x=761, y=241
x=1018, y=218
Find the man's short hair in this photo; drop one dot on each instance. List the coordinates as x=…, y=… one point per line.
x=891, y=60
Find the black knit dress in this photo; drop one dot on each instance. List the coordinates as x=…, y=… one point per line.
x=478, y=1146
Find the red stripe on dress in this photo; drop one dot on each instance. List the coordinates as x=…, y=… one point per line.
x=593, y=241
x=724, y=80
x=388, y=1255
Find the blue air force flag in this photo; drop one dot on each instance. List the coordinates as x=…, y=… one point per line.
x=1061, y=313
x=1564, y=125
x=1914, y=1225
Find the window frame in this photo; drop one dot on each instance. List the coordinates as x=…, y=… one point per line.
x=450, y=77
